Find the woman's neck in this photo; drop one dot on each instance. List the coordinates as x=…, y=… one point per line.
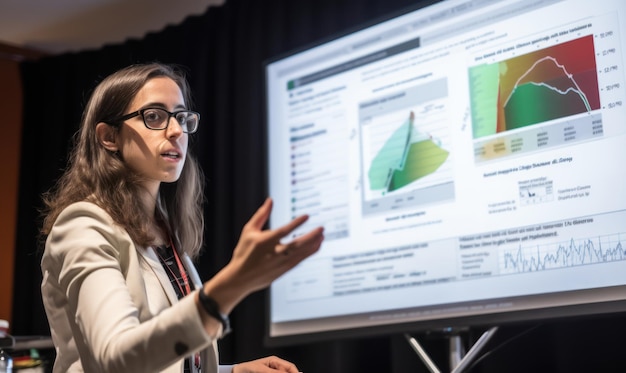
x=149, y=199
x=160, y=237
x=157, y=230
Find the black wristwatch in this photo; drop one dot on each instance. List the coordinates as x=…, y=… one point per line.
x=213, y=309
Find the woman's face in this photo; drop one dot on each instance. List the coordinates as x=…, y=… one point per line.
x=158, y=155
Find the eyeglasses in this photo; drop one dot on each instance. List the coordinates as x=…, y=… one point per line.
x=159, y=119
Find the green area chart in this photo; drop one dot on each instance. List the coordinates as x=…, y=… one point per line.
x=405, y=157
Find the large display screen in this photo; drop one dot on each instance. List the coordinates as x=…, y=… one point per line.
x=467, y=160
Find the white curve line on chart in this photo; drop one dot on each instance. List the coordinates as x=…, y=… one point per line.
x=562, y=67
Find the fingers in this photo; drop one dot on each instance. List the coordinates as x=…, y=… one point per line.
x=304, y=245
x=258, y=220
x=261, y=215
x=281, y=365
x=266, y=365
x=261, y=257
x=284, y=230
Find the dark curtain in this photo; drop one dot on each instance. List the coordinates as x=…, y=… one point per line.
x=223, y=52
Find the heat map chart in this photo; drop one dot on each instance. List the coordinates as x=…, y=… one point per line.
x=544, y=85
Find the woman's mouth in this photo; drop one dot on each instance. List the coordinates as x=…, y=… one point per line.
x=171, y=155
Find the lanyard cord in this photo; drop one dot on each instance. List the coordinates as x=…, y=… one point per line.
x=181, y=278
x=181, y=268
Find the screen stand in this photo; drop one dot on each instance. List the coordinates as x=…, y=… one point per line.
x=458, y=359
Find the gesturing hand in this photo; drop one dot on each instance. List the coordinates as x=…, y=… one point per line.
x=260, y=257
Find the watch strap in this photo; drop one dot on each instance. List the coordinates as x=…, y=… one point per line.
x=212, y=308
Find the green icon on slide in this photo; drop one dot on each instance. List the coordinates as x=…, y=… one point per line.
x=404, y=158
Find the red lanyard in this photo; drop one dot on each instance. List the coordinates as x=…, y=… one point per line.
x=184, y=288
x=181, y=269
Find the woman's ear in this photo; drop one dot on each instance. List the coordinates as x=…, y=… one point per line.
x=107, y=136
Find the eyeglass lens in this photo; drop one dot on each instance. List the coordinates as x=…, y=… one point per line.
x=158, y=119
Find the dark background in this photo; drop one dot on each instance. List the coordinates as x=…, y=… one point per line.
x=223, y=52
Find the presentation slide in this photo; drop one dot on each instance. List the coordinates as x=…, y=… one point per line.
x=473, y=150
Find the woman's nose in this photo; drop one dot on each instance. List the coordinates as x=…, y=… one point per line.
x=174, y=129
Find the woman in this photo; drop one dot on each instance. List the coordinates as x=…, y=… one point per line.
x=122, y=226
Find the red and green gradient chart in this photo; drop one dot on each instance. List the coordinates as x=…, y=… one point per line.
x=544, y=85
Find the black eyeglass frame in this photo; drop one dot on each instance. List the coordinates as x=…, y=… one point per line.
x=119, y=120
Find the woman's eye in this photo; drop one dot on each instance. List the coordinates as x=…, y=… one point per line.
x=181, y=118
x=152, y=116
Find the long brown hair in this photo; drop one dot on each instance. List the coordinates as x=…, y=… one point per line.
x=97, y=175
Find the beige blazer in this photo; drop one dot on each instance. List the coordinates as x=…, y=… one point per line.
x=110, y=304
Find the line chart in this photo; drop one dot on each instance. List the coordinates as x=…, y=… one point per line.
x=575, y=89
x=547, y=84
x=572, y=253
